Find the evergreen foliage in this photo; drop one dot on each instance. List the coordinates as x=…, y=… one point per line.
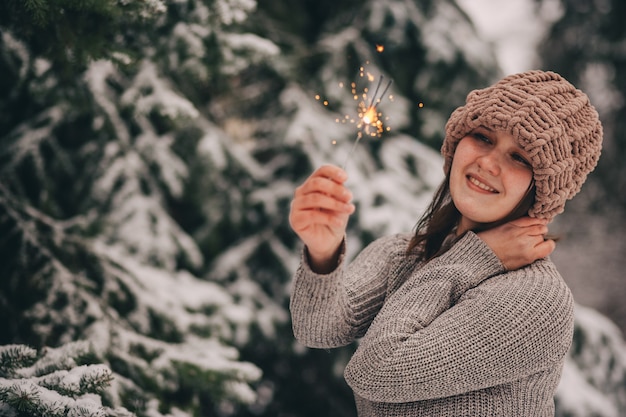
x=71, y=32
x=56, y=383
x=89, y=176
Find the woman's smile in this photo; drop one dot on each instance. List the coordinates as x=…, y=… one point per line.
x=480, y=184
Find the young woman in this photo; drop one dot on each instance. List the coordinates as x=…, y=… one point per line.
x=467, y=316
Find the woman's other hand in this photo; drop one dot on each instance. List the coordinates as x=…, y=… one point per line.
x=319, y=215
x=519, y=242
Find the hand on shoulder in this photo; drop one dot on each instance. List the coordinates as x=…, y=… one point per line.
x=519, y=242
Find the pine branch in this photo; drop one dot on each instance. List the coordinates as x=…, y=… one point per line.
x=61, y=358
x=44, y=389
x=23, y=398
x=13, y=357
x=97, y=380
x=38, y=9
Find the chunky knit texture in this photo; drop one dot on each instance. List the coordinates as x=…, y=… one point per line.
x=458, y=336
x=552, y=121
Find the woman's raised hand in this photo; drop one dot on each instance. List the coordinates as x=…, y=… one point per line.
x=319, y=215
x=519, y=242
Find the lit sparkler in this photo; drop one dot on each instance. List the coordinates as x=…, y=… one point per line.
x=370, y=118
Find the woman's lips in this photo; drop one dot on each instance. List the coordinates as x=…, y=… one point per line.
x=481, y=184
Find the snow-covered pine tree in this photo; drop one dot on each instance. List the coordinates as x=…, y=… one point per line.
x=95, y=243
x=58, y=383
x=70, y=33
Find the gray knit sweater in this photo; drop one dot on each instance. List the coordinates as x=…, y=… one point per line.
x=458, y=336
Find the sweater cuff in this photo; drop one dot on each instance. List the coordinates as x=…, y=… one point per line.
x=306, y=264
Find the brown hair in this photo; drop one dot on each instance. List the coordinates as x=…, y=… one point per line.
x=442, y=217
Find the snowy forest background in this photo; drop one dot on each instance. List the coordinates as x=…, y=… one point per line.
x=149, y=152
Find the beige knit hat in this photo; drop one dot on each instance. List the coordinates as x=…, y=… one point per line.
x=552, y=121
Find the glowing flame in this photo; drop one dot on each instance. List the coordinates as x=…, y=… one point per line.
x=370, y=116
x=369, y=120
x=379, y=48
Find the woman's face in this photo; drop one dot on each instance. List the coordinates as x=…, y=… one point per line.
x=490, y=175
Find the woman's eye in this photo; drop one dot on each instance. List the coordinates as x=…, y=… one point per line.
x=481, y=137
x=521, y=160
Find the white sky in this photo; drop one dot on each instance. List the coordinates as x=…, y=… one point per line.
x=514, y=28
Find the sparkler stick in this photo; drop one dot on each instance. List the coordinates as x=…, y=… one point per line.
x=369, y=116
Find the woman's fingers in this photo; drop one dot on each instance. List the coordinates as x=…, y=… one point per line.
x=321, y=207
x=300, y=219
x=333, y=172
x=328, y=172
x=519, y=242
x=544, y=248
x=324, y=191
x=321, y=184
x=319, y=201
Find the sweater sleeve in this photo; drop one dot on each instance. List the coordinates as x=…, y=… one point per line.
x=331, y=310
x=464, y=324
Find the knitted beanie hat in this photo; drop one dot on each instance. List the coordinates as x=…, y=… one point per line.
x=551, y=120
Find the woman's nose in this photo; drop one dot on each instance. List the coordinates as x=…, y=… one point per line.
x=490, y=162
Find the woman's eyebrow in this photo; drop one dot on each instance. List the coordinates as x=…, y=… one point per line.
x=483, y=128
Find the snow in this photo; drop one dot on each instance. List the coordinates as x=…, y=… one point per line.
x=579, y=398
x=54, y=385
x=253, y=43
x=41, y=65
x=254, y=303
x=188, y=50
x=140, y=217
x=218, y=147
x=595, y=369
x=192, y=36
x=601, y=333
x=514, y=27
x=96, y=78
x=19, y=48
x=241, y=50
x=445, y=32
x=597, y=80
x=149, y=93
x=158, y=150
x=43, y=396
x=270, y=198
x=234, y=11
x=178, y=296
x=30, y=139
x=313, y=126
x=150, y=7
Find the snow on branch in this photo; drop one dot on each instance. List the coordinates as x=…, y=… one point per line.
x=43, y=389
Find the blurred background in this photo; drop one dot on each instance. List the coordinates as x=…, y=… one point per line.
x=149, y=152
